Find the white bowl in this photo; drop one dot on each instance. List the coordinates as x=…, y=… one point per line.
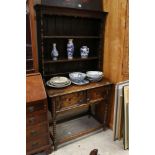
x=94, y=74
x=77, y=76
x=59, y=80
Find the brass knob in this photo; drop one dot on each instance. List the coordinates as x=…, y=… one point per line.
x=33, y=132
x=31, y=120
x=34, y=144
x=31, y=109
x=88, y=99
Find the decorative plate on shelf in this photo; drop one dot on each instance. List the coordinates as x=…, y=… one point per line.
x=58, y=86
x=58, y=82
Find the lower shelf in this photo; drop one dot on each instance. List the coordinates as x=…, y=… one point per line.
x=76, y=128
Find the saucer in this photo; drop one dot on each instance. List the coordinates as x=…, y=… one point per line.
x=80, y=83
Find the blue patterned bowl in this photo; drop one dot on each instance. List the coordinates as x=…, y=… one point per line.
x=77, y=76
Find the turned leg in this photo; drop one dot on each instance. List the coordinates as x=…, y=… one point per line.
x=54, y=123
x=105, y=117
x=106, y=105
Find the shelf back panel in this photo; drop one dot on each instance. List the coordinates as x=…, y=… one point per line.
x=68, y=25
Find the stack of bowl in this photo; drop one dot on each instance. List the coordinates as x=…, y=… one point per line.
x=94, y=76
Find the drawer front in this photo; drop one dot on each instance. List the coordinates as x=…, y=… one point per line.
x=34, y=144
x=70, y=100
x=36, y=130
x=35, y=107
x=36, y=118
x=97, y=93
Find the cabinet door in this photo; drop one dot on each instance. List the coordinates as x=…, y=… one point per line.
x=96, y=94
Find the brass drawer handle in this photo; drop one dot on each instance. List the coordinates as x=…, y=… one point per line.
x=31, y=120
x=88, y=99
x=33, y=132
x=80, y=101
x=34, y=144
x=31, y=109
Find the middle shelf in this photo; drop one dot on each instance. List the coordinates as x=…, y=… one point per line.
x=69, y=60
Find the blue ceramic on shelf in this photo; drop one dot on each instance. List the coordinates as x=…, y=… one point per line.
x=54, y=52
x=70, y=49
x=84, y=51
x=77, y=76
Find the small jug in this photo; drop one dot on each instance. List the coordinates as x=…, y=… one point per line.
x=84, y=51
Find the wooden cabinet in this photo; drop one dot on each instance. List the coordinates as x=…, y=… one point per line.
x=74, y=98
x=37, y=128
x=85, y=27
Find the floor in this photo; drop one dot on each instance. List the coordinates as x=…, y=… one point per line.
x=102, y=141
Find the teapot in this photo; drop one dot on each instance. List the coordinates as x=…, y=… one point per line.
x=84, y=51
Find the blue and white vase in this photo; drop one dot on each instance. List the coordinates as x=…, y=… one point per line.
x=70, y=49
x=54, y=52
x=84, y=51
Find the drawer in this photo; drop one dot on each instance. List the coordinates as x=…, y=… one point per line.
x=69, y=100
x=35, y=107
x=36, y=130
x=36, y=118
x=40, y=142
x=97, y=93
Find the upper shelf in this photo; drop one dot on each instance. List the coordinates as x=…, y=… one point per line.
x=78, y=37
x=53, y=10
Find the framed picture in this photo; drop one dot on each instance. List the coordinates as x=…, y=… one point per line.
x=118, y=110
x=80, y=4
x=126, y=117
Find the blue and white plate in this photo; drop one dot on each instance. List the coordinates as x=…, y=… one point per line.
x=80, y=83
